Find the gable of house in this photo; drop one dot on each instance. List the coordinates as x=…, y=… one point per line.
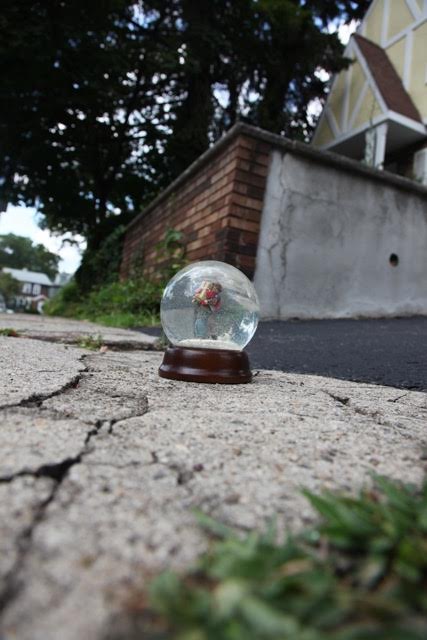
x=384, y=85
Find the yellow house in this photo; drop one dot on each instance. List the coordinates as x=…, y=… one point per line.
x=376, y=110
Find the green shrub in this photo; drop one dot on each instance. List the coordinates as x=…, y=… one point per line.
x=131, y=302
x=130, y=296
x=67, y=302
x=102, y=266
x=124, y=304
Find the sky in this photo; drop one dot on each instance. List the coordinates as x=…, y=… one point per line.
x=23, y=220
x=345, y=30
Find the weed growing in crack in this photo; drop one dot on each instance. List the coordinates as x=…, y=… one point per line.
x=9, y=332
x=360, y=574
x=94, y=343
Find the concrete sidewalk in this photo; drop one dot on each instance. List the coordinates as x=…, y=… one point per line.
x=103, y=464
x=69, y=331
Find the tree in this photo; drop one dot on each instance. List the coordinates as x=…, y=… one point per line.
x=79, y=111
x=257, y=61
x=293, y=43
x=19, y=252
x=9, y=287
x=103, y=103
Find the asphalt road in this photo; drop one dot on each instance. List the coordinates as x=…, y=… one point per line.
x=391, y=352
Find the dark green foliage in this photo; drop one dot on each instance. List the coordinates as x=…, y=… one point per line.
x=102, y=103
x=67, y=302
x=132, y=296
x=9, y=287
x=100, y=267
x=249, y=60
x=76, y=107
x=171, y=254
x=360, y=574
x=20, y=252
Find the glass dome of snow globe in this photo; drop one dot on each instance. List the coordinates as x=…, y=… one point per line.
x=209, y=313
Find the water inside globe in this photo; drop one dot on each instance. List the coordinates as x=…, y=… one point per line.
x=210, y=305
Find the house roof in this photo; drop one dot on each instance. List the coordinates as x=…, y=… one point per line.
x=23, y=275
x=387, y=79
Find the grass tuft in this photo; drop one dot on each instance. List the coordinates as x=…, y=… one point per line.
x=9, y=332
x=94, y=343
x=359, y=574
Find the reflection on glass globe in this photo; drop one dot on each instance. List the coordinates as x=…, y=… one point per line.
x=210, y=305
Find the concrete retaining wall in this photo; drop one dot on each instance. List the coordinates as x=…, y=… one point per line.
x=329, y=239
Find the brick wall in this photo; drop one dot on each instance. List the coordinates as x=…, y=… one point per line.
x=216, y=203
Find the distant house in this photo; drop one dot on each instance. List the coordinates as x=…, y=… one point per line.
x=377, y=109
x=36, y=288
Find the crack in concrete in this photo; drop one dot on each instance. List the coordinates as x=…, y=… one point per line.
x=398, y=397
x=124, y=345
x=54, y=471
x=12, y=583
x=377, y=416
x=57, y=472
x=115, y=421
x=279, y=238
x=37, y=399
x=342, y=400
x=182, y=472
x=379, y=419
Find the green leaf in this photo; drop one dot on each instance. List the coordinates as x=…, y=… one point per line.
x=265, y=621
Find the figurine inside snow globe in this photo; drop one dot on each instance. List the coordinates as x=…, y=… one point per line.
x=209, y=312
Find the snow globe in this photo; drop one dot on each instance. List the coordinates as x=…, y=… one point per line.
x=209, y=313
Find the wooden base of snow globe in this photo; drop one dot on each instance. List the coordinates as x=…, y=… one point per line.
x=206, y=365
